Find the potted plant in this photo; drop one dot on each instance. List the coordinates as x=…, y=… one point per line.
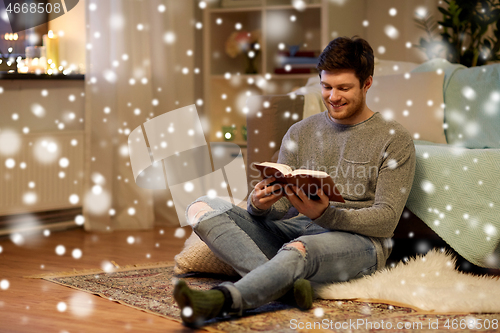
x=469, y=33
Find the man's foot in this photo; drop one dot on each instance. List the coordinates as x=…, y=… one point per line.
x=303, y=294
x=197, y=306
x=300, y=295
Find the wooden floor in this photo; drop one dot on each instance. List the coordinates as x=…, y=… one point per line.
x=30, y=305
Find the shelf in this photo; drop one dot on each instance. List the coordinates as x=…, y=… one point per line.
x=18, y=76
x=260, y=7
x=237, y=9
x=282, y=7
x=281, y=26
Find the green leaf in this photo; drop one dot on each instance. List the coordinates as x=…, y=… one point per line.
x=444, y=11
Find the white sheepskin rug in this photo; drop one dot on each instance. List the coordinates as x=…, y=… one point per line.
x=429, y=283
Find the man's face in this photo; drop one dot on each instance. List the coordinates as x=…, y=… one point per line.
x=343, y=97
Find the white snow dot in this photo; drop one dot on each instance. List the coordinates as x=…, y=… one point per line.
x=391, y=31
x=63, y=162
x=76, y=253
x=427, y=186
x=188, y=187
x=74, y=199
x=79, y=219
x=469, y=93
x=10, y=163
x=319, y=312
x=61, y=306
x=4, y=284
x=179, y=233
x=490, y=229
x=392, y=164
x=212, y=193
x=60, y=250
x=187, y=311
x=169, y=37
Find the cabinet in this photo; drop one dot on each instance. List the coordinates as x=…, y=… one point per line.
x=283, y=26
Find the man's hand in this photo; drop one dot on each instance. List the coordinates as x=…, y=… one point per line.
x=264, y=196
x=310, y=208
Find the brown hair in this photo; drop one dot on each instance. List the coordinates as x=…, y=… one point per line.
x=348, y=53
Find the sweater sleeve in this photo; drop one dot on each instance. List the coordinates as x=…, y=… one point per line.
x=393, y=186
x=278, y=210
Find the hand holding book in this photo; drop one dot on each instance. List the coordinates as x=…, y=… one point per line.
x=265, y=194
x=309, y=181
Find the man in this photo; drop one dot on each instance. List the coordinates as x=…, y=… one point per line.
x=373, y=162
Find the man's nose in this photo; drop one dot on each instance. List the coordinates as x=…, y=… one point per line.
x=334, y=95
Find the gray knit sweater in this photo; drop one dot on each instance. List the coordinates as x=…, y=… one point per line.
x=373, y=164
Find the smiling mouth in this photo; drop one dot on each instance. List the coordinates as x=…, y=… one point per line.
x=337, y=106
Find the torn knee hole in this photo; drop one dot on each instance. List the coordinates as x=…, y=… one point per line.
x=197, y=210
x=299, y=246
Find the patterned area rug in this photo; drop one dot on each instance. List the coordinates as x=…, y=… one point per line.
x=150, y=289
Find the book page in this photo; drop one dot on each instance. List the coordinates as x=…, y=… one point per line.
x=314, y=173
x=283, y=168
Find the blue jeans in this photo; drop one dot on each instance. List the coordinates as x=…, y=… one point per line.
x=255, y=246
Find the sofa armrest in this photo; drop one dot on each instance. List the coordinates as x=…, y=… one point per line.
x=268, y=119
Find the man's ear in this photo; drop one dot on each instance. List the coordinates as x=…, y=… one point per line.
x=368, y=83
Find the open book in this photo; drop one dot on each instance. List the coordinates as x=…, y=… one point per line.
x=307, y=180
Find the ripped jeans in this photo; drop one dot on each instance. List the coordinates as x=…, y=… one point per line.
x=256, y=247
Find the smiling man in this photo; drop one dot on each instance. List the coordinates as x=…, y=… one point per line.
x=284, y=239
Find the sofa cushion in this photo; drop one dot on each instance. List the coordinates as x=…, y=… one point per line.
x=472, y=99
x=414, y=100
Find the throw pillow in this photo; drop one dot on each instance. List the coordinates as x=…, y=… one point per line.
x=197, y=257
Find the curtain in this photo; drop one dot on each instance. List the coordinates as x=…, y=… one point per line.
x=138, y=67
